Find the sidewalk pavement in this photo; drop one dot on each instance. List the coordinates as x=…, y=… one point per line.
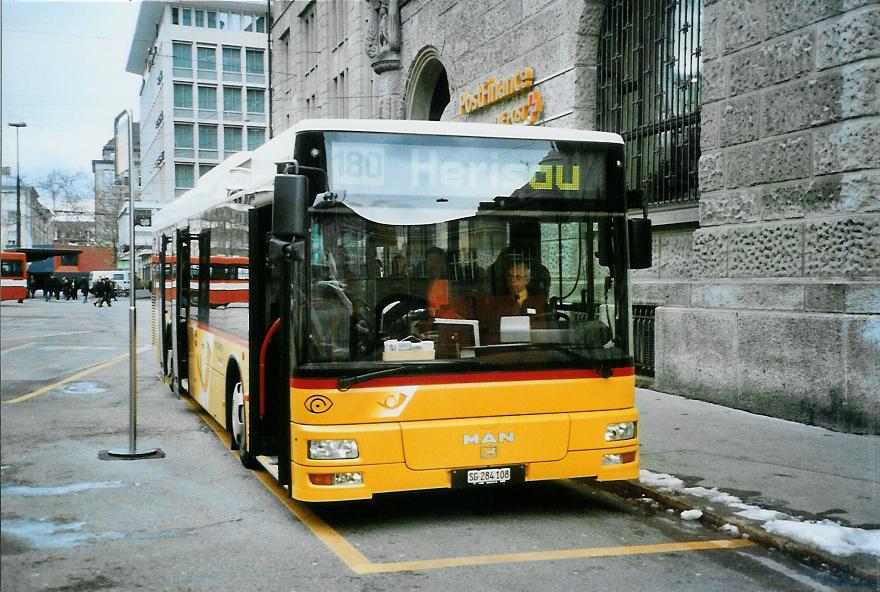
x=806, y=490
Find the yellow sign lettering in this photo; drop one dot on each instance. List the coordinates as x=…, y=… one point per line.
x=548, y=177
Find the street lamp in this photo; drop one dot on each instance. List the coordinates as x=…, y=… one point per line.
x=17, y=125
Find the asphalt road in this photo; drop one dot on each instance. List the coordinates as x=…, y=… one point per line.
x=197, y=520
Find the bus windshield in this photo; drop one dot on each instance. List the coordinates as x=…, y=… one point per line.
x=436, y=253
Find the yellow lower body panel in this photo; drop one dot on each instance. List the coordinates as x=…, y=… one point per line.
x=391, y=477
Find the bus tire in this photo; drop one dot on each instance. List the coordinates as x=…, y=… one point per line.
x=169, y=354
x=248, y=460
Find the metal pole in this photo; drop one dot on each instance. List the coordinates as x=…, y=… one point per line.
x=17, y=193
x=132, y=451
x=17, y=125
x=132, y=311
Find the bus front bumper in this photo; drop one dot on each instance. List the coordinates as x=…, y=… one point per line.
x=314, y=483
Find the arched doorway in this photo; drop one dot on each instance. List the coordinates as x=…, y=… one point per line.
x=427, y=90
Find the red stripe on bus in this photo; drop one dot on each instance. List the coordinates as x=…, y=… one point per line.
x=426, y=379
x=263, y=349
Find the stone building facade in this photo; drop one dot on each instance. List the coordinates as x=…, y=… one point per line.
x=778, y=308
x=765, y=287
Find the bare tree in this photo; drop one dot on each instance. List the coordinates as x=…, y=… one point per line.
x=109, y=203
x=67, y=191
x=72, y=205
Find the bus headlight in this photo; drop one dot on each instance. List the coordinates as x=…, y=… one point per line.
x=620, y=431
x=332, y=449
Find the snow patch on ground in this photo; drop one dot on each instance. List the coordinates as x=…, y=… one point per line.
x=691, y=515
x=825, y=535
x=828, y=536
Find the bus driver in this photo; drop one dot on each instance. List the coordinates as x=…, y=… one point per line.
x=516, y=298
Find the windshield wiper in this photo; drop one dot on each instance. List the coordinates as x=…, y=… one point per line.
x=603, y=366
x=347, y=382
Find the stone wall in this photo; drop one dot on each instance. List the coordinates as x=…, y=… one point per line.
x=779, y=284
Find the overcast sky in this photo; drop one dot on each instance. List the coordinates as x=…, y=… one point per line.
x=64, y=75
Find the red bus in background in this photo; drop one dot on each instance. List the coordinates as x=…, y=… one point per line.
x=228, y=279
x=13, y=276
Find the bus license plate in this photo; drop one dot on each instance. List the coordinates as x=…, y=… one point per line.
x=488, y=476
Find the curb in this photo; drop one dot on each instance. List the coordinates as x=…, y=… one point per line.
x=631, y=491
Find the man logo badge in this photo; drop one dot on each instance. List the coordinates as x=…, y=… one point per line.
x=488, y=452
x=489, y=438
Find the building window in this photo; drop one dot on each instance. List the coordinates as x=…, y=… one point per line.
x=204, y=168
x=247, y=22
x=231, y=59
x=649, y=92
x=261, y=24
x=207, y=58
x=207, y=98
x=200, y=18
x=183, y=135
x=208, y=137
x=183, y=98
x=337, y=22
x=254, y=61
x=175, y=15
x=235, y=21
x=340, y=96
x=222, y=20
x=208, y=142
x=69, y=259
x=212, y=19
x=186, y=17
x=184, y=176
x=255, y=138
x=309, y=38
x=182, y=55
x=231, y=139
x=312, y=107
x=256, y=101
x=231, y=98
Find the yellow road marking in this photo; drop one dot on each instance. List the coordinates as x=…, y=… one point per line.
x=18, y=347
x=77, y=376
x=359, y=564
x=550, y=555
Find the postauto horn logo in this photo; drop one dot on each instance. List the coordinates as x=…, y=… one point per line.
x=318, y=404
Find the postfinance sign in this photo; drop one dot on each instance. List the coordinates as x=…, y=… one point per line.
x=492, y=91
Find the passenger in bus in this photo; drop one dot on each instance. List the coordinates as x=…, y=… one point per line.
x=399, y=266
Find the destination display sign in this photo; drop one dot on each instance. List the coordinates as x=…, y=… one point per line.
x=452, y=176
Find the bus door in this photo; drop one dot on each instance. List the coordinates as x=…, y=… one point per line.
x=268, y=433
x=181, y=310
x=165, y=326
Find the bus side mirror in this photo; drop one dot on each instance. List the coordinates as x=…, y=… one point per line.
x=289, y=220
x=639, y=243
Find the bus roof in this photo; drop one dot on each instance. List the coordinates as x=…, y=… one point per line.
x=252, y=172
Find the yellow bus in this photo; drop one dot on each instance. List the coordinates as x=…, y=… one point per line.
x=430, y=305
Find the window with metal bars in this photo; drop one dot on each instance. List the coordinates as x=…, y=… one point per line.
x=649, y=92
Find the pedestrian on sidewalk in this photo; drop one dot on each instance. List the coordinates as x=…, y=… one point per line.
x=48, y=286
x=105, y=292
x=84, y=286
x=97, y=291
